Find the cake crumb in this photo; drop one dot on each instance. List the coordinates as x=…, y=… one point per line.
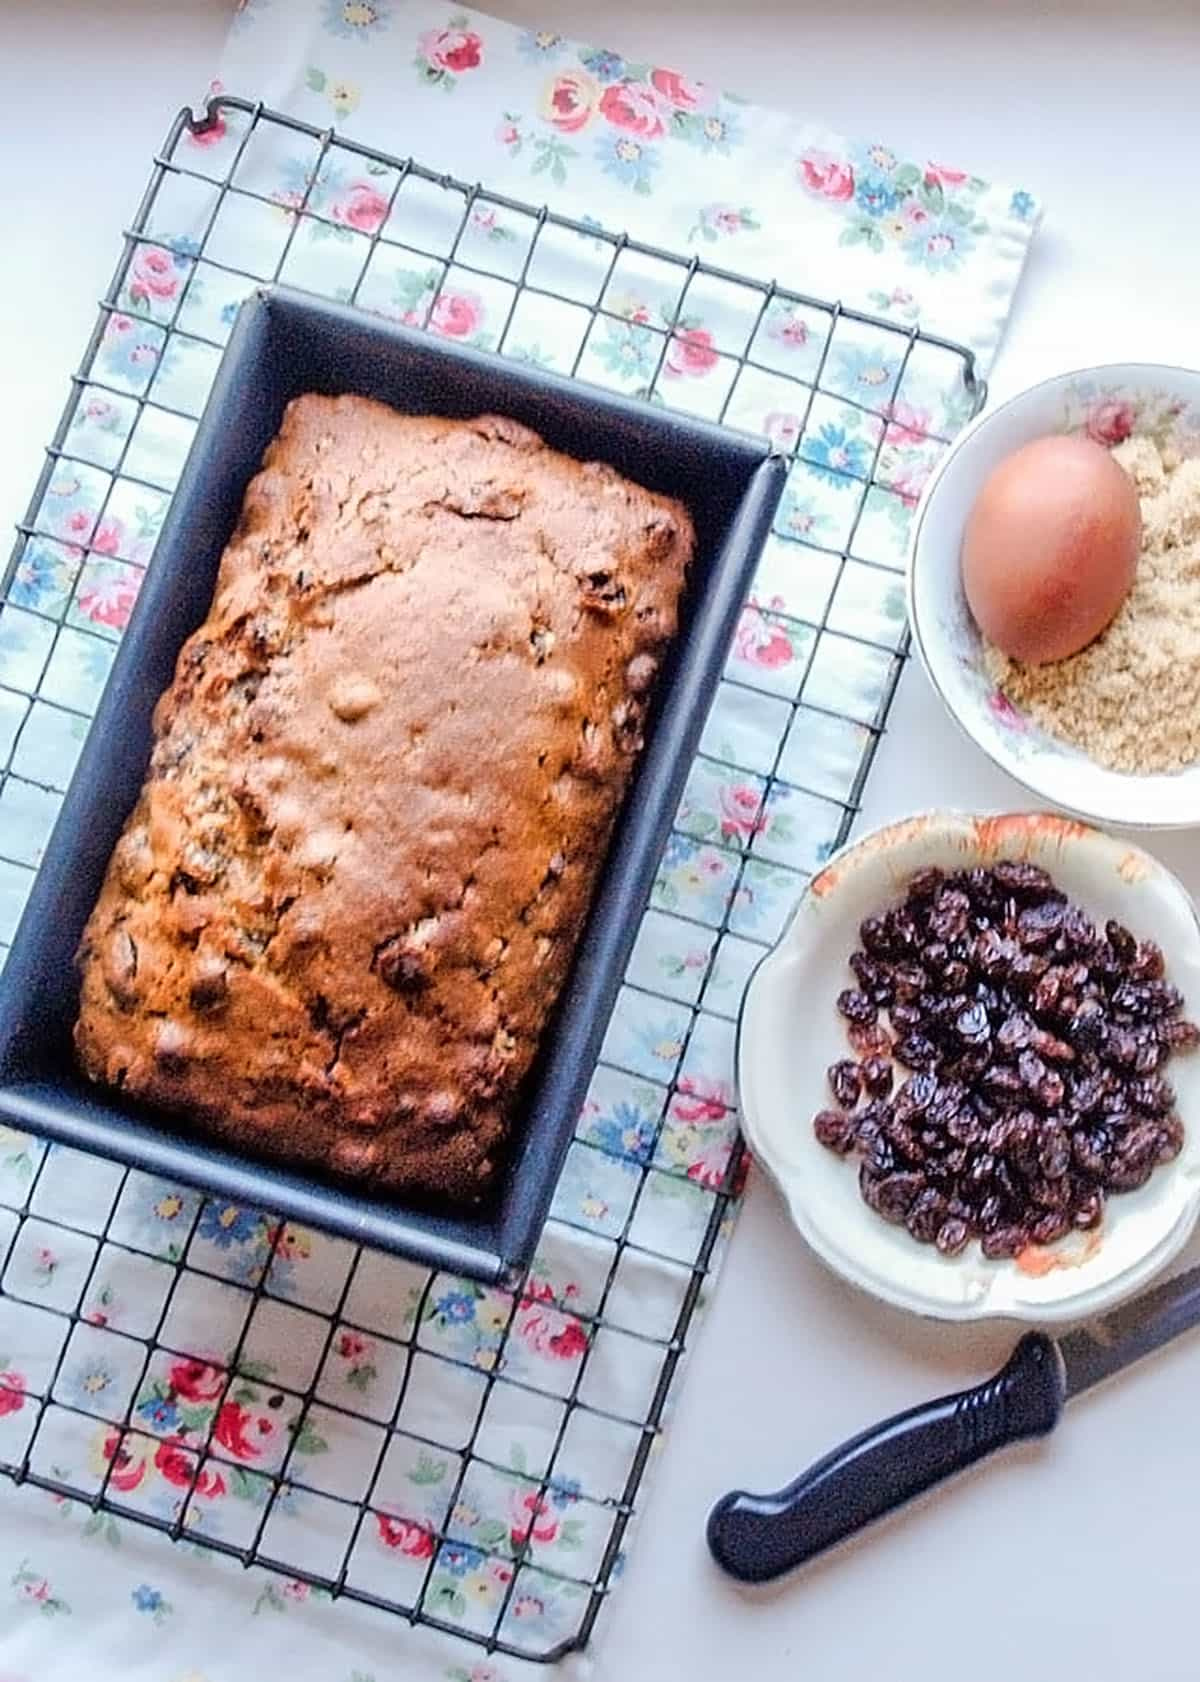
x=1131, y=698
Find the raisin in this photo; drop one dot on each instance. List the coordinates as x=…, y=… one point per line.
x=1089, y=1211
x=925, y=883
x=1050, y=1226
x=1178, y=1035
x=949, y=917
x=873, y=934
x=972, y=1025
x=845, y=1082
x=876, y=1075
x=953, y=1236
x=926, y=1215
x=896, y=1194
x=856, y=1007
x=1004, y=1241
x=917, y=1051
x=835, y=1130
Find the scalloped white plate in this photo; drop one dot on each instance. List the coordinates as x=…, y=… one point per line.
x=790, y=1032
x=1105, y=403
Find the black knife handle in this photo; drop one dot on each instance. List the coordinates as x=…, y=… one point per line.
x=757, y=1537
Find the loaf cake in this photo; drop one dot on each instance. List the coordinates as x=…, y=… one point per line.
x=381, y=789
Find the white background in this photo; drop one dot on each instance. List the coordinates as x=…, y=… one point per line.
x=1076, y=1557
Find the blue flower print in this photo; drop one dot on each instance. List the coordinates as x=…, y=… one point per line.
x=627, y=160
x=456, y=1308
x=625, y=1131
x=718, y=131
x=875, y=196
x=604, y=66
x=863, y=373
x=40, y=578
x=147, y=1599
x=356, y=20
x=159, y=1413
x=834, y=454
x=941, y=246
x=1022, y=204
x=458, y=1559
x=564, y=1492
x=225, y=1224
x=540, y=46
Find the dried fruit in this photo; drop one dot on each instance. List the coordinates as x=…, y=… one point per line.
x=1036, y=1046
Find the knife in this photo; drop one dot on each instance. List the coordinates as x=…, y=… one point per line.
x=758, y=1537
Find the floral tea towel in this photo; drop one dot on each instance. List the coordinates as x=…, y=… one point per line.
x=461, y=1451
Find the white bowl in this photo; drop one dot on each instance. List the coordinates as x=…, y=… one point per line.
x=1105, y=403
x=790, y=1033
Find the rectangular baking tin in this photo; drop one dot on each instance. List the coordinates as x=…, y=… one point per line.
x=285, y=343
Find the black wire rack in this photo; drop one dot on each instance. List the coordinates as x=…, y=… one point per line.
x=590, y=266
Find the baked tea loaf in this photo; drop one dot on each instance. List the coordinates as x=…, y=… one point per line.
x=381, y=789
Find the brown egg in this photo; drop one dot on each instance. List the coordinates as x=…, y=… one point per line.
x=1050, y=548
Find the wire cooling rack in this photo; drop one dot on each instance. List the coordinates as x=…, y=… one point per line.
x=115, y=1387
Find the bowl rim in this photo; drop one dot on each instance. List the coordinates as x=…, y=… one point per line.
x=1010, y=764
x=1068, y=1310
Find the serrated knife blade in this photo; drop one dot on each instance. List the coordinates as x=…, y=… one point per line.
x=1101, y=1347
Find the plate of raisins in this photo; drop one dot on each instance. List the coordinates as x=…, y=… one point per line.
x=968, y=1066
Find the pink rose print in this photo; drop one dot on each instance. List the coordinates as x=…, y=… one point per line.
x=107, y=540
x=546, y=1330
x=128, y=1467
x=12, y=1392
x=759, y=642
x=456, y=314
x=906, y=425
x=683, y=93
x=569, y=101
x=508, y=134
x=178, y=1468
x=943, y=175
x=36, y=1589
x=196, y=1381
x=294, y=1590
x=362, y=208
x=698, y=1099
x=352, y=1346
x=710, y=1164
x=790, y=330
x=1110, y=421
x=827, y=176
x=234, y=1428
x=451, y=49
x=77, y=527
x=690, y=352
x=914, y=215
x=726, y=218
x=528, y=1606
x=405, y=1536
x=783, y=429
x=636, y=107
x=531, y=1516
x=109, y=600
x=742, y=812
x=153, y=274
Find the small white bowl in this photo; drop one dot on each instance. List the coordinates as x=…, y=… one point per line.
x=790, y=1033
x=1107, y=404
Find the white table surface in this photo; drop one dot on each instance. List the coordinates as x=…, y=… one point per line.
x=1074, y=1557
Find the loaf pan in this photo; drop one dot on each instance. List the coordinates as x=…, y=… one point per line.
x=285, y=343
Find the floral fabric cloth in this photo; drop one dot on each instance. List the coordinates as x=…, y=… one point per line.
x=423, y=1439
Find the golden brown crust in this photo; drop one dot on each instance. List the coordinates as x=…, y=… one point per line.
x=381, y=789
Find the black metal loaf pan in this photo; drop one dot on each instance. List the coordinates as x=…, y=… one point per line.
x=284, y=344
